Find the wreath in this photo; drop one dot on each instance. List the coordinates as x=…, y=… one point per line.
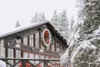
x=46, y=37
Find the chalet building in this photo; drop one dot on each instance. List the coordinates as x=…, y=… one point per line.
x=37, y=41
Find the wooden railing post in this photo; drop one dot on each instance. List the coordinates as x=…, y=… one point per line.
x=23, y=63
x=45, y=63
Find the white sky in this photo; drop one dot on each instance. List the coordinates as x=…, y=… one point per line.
x=24, y=10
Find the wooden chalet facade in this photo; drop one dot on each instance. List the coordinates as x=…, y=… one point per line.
x=36, y=41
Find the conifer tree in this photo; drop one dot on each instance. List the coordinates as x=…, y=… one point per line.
x=38, y=18
x=61, y=22
x=72, y=23
x=54, y=19
x=64, y=23
x=84, y=51
x=35, y=18
x=17, y=24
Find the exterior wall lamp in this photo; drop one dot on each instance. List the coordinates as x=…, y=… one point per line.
x=16, y=41
x=14, y=44
x=41, y=50
x=17, y=45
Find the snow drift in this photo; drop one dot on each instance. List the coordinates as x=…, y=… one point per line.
x=2, y=63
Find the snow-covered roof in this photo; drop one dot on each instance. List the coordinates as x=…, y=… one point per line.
x=18, y=29
x=52, y=27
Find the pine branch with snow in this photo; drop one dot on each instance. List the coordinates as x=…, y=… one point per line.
x=38, y=18
x=84, y=48
x=61, y=22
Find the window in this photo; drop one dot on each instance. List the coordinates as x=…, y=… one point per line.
x=37, y=40
x=57, y=46
x=25, y=55
x=18, y=54
x=10, y=55
x=31, y=40
x=52, y=46
x=25, y=41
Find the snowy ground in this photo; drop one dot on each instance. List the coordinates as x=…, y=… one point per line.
x=2, y=63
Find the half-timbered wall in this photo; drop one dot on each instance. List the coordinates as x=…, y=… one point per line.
x=32, y=38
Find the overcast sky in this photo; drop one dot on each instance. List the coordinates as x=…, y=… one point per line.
x=24, y=10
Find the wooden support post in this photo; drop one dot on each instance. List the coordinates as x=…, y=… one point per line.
x=45, y=63
x=23, y=63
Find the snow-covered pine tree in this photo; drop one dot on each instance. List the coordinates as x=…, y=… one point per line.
x=35, y=18
x=64, y=23
x=91, y=22
x=54, y=19
x=61, y=22
x=63, y=16
x=17, y=24
x=72, y=28
x=38, y=18
x=41, y=17
x=85, y=50
x=91, y=14
x=72, y=23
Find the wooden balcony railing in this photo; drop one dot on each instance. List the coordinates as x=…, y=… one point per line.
x=22, y=62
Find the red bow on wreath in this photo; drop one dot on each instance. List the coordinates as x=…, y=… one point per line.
x=46, y=33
